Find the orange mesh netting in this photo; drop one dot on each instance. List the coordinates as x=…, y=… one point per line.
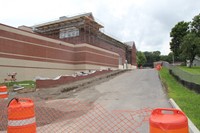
x=75, y=116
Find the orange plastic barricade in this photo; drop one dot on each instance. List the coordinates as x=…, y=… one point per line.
x=3, y=92
x=165, y=120
x=158, y=67
x=21, y=116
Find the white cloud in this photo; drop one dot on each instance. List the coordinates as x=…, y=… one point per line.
x=147, y=22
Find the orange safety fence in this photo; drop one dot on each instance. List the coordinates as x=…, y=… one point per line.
x=74, y=116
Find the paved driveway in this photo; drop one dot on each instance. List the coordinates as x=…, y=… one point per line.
x=133, y=90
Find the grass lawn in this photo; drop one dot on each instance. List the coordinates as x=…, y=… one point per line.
x=25, y=84
x=192, y=70
x=188, y=100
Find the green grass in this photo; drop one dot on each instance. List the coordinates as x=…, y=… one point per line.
x=188, y=100
x=25, y=84
x=192, y=70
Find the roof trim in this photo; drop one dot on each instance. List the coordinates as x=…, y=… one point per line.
x=82, y=16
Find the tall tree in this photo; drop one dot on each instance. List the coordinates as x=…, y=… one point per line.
x=190, y=46
x=141, y=59
x=195, y=25
x=177, y=34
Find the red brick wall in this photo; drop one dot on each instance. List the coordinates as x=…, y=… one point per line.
x=134, y=61
x=66, y=79
x=17, y=46
x=95, y=41
x=32, y=40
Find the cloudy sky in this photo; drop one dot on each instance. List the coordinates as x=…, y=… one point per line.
x=147, y=22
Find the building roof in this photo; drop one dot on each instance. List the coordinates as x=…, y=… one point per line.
x=197, y=58
x=62, y=19
x=131, y=44
x=78, y=21
x=85, y=21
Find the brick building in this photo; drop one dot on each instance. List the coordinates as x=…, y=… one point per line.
x=61, y=47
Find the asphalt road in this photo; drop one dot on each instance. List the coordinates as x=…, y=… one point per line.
x=133, y=90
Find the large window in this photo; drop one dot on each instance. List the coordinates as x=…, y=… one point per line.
x=69, y=32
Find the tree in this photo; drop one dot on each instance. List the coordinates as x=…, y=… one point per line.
x=141, y=59
x=156, y=55
x=190, y=46
x=195, y=25
x=177, y=34
x=151, y=57
x=167, y=58
x=186, y=39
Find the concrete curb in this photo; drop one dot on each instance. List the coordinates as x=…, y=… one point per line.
x=192, y=127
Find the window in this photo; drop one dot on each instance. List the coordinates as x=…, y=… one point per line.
x=69, y=32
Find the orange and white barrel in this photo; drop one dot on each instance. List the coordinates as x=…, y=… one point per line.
x=21, y=116
x=3, y=92
x=167, y=120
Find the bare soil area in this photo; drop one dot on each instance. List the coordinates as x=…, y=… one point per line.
x=64, y=91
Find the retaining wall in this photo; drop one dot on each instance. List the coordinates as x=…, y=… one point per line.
x=189, y=85
x=67, y=79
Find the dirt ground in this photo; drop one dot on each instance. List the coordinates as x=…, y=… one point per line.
x=49, y=112
x=64, y=91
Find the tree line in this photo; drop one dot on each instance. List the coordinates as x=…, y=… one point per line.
x=146, y=59
x=184, y=44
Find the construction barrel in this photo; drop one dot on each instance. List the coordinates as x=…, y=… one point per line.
x=3, y=92
x=158, y=67
x=21, y=116
x=167, y=120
